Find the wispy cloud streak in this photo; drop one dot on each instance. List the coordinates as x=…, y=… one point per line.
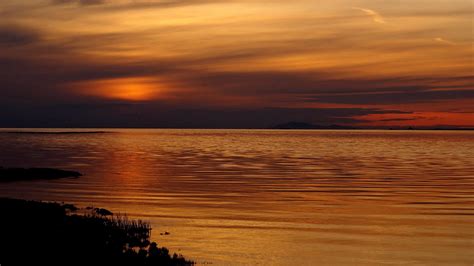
x=444, y=41
x=376, y=17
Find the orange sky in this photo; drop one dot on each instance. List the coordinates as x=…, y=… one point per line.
x=411, y=61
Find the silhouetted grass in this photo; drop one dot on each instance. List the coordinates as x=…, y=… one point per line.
x=51, y=234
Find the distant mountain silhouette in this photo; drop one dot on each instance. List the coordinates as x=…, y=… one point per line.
x=304, y=125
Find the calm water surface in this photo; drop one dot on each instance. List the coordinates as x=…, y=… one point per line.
x=249, y=197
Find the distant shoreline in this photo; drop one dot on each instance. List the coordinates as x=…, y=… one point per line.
x=32, y=132
x=55, y=132
x=30, y=174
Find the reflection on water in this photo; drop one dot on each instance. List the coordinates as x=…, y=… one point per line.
x=271, y=197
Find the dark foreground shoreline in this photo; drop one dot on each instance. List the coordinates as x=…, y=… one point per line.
x=58, y=234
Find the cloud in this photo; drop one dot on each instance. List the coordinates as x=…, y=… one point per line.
x=81, y=2
x=398, y=119
x=376, y=17
x=127, y=5
x=12, y=35
x=228, y=57
x=404, y=95
x=444, y=41
x=131, y=5
x=117, y=114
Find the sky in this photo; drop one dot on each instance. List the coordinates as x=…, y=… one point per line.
x=236, y=63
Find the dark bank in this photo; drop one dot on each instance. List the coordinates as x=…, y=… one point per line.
x=58, y=234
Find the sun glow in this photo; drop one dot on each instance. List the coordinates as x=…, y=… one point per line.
x=131, y=88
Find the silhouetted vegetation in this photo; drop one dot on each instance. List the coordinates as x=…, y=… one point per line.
x=52, y=234
x=18, y=174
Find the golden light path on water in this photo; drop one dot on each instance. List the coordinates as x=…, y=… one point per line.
x=249, y=197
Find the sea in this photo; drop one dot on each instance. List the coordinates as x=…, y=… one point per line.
x=268, y=197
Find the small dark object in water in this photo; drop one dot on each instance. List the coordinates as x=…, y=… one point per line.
x=18, y=174
x=165, y=233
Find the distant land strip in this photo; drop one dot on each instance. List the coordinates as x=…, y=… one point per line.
x=56, y=132
x=21, y=174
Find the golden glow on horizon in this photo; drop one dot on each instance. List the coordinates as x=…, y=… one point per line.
x=131, y=89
